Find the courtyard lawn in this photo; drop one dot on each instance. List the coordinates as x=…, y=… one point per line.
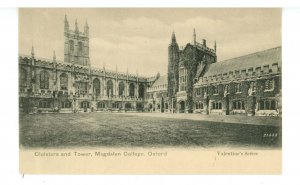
x=129, y=130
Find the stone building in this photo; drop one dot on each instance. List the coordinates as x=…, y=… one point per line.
x=73, y=85
x=249, y=85
x=195, y=82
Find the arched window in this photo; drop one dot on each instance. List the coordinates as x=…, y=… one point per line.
x=44, y=80
x=166, y=106
x=269, y=85
x=128, y=105
x=71, y=43
x=100, y=105
x=85, y=104
x=109, y=88
x=96, y=86
x=121, y=88
x=63, y=81
x=141, y=91
x=23, y=77
x=80, y=47
x=131, y=90
x=238, y=88
x=66, y=104
x=44, y=104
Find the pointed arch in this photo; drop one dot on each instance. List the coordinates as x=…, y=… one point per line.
x=96, y=86
x=109, y=88
x=23, y=77
x=141, y=91
x=121, y=88
x=44, y=80
x=131, y=89
x=63, y=79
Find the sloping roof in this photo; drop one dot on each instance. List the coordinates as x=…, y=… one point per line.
x=258, y=59
x=162, y=80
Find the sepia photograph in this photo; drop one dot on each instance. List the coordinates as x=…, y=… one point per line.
x=142, y=85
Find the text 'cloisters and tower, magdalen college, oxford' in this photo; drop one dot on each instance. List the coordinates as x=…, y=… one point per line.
x=196, y=82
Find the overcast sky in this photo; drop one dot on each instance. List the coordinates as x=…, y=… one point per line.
x=139, y=38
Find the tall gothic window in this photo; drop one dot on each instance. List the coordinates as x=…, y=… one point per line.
x=80, y=47
x=109, y=88
x=131, y=90
x=121, y=89
x=44, y=80
x=182, y=79
x=96, y=86
x=71, y=43
x=23, y=77
x=63, y=81
x=141, y=91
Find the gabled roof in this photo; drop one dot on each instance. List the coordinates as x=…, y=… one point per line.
x=258, y=59
x=162, y=80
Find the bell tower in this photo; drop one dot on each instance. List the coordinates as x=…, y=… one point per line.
x=173, y=63
x=76, y=46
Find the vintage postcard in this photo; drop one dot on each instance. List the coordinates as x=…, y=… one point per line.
x=150, y=91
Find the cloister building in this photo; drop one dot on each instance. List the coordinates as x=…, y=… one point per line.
x=195, y=83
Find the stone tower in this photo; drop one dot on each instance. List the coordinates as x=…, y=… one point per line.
x=173, y=62
x=76, y=48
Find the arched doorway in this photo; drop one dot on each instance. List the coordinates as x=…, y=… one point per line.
x=85, y=105
x=182, y=107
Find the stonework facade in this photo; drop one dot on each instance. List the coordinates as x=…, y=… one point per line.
x=195, y=83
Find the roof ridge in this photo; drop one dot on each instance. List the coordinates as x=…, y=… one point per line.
x=249, y=54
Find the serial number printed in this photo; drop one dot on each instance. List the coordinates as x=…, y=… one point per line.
x=270, y=135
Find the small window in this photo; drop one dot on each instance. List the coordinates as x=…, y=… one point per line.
x=269, y=85
x=100, y=105
x=267, y=105
x=238, y=105
x=44, y=104
x=217, y=105
x=66, y=104
x=238, y=88
x=215, y=90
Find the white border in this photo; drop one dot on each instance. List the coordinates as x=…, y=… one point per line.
x=9, y=112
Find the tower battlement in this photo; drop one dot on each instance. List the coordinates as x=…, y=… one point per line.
x=76, y=46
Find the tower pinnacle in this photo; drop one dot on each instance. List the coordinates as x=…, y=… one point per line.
x=76, y=27
x=66, y=23
x=32, y=52
x=215, y=46
x=173, y=40
x=194, y=36
x=54, y=56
